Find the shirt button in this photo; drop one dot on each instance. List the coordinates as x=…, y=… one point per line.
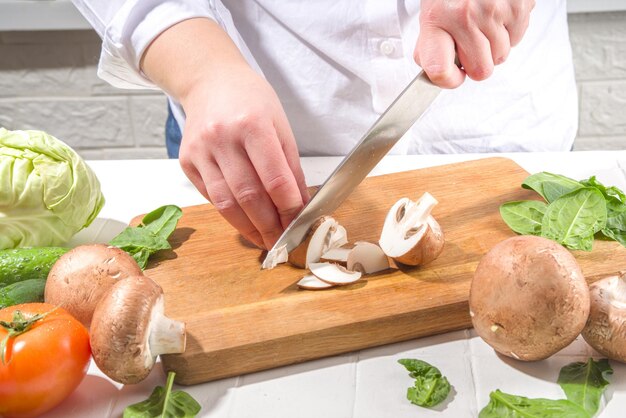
x=387, y=48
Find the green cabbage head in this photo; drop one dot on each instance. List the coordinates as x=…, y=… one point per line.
x=47, y=192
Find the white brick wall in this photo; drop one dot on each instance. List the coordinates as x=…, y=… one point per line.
x=48, y=81
x=599, y=45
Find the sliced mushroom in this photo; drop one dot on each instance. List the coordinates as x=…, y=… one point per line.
x=311, y=282
x=275, y=257
x=129, y=330
x=410, y=234
x=325, y=234
x=528, y=298
x=81, y=276
x=337, y=255
x=367, y=258
x=334, y=273
x=605, y=330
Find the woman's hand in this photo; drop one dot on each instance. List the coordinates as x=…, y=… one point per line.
x=237, y=147
x=239, y=152
x=481, y=32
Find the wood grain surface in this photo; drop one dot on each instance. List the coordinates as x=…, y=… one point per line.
x=242, y=319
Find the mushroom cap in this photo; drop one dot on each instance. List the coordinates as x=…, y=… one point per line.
x=410, y=234
x=120, y=332
x=529, y=298
x=81, y=276
x=605, y=330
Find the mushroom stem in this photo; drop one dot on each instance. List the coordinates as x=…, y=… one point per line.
x=421, y=211
x=167, y=336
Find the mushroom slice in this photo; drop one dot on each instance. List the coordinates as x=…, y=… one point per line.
x=81, y=276
x=410, y=234
x=604, y=330
x=367, y=258
x=275, y=257
x=334, y=273
x=325, y=234
x=311, y=282
x=337, y=255
x=129, y=330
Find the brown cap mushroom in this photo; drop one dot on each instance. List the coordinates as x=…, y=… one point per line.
x=81, y=276
x=605, y=330
x=129, y=330
x=528, y=298
x=325, y=234
x=410, y=234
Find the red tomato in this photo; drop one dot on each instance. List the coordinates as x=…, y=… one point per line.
x=43, y=365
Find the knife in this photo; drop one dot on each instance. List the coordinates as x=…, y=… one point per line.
x=405, y=110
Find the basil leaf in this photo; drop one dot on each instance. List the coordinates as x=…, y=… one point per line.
x=504, y=405
x=584, y=383
x=151, y=235
x=524, y=216
x=162, y=221
x=428, y=391
x=550, y=186
x=430, y=387
x=575, y=217
x=163, y=403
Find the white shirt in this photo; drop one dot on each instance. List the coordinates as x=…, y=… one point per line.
x=337, y=64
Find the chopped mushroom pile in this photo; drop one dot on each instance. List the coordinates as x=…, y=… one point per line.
x=410, y=235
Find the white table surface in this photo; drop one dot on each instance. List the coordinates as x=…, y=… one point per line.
x=367, y=383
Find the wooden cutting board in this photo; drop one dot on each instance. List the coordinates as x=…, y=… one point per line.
x=242, y=319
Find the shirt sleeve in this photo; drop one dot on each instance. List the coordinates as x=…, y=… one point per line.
x=127, y=27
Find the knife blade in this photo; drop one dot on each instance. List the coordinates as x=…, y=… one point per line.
x=405, y=110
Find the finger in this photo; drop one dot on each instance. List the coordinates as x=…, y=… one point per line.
x=248, y=191
x=435, y=53
x=499, y=42
x=193, y=175
x=268, y=159
x=475, y=54
x=290, y=148
x=518, y=21
x=222, y=198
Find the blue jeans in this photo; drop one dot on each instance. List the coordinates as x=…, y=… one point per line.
x=173, y=135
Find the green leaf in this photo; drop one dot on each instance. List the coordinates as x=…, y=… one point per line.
x=163, y=403
x=584, y=383
x=162, y=221
x=575, y=217
x=428, y=391
x=550, y=186
x=430, y=387
x=525, y=216
x=151, y=235
x=504, y=405
x=611, y=194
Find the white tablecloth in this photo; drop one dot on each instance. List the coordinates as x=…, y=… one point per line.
x=367, y=383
